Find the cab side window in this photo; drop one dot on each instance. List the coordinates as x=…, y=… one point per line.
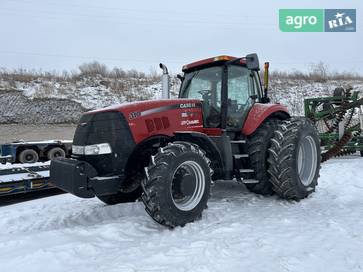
x=257, y=86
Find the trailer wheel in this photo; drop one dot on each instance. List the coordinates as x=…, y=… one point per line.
x=177, y=184
x=257, y=147
x=28, y=156
x=56, y=152
x=294, y=159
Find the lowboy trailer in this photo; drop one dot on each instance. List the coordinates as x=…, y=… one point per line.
x=34, y=151
x=31, y=171
x=23, y=179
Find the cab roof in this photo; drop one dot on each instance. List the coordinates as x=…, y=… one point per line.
x=210, y=62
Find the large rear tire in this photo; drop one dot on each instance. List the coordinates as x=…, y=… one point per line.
x=177, y=186
x=294, y=159
x=257, y=147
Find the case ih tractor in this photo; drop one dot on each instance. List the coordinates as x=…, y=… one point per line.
x=168, y=152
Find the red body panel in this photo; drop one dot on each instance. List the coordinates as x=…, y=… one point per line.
x=160, y=117
x=258, y=114
x=203, y=62
x=164, y=117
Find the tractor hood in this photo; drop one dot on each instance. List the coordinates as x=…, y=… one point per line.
x=133, y=110
x=159, y=117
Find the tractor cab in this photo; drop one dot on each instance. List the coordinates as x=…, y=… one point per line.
x=227, y=86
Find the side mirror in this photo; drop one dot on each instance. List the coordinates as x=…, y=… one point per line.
x=252, y=62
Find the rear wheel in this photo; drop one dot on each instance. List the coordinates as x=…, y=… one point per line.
x=177, y=186
x=294, y=159
x=257, y=145
x=28, y=156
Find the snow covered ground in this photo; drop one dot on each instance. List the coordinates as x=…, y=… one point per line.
x=240, y=231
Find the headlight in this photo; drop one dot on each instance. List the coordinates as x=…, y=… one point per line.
x=96, y=149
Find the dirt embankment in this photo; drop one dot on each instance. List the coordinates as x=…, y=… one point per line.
x=13, y=132
x=17, y=108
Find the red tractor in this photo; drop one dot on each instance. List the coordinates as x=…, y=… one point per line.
x=168, y=152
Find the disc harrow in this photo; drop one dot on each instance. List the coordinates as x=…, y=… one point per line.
x=341, y=116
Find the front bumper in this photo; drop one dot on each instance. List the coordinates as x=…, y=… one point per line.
x=80, y=178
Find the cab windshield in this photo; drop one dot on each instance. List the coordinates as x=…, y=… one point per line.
x=206, y=85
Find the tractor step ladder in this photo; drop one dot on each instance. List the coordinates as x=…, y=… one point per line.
x=249, y=181
x=238, y=142
x=238, y=156
x=246, y=171
x=243, y=170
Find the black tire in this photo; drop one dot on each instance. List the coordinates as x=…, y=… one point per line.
x=121, y=197
x=295, y=140
x=28, y=156
x=56, y=152
x=130, y=192
x=159, y=194
x=257, y=148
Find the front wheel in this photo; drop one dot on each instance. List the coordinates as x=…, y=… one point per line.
x=177, y=186
x=294, y=159
x=120, y=197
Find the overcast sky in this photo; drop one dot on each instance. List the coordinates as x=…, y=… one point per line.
x=60, y=35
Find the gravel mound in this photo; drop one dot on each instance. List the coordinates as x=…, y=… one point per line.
x=17, y=108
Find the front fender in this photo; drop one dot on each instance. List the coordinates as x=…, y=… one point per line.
x=208, y=145
x=260, y=112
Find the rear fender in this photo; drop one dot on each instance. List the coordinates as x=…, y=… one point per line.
x=208, y=145
x=260, y=112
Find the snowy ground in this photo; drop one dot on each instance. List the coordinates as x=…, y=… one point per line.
x=239, y=232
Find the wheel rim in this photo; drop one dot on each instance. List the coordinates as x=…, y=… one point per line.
x=188, y=185
x=307, y=160
x=29, y=157
x=58, y=154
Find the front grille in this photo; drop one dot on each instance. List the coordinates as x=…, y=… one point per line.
x=105, y=127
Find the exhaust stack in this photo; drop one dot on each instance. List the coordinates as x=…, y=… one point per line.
x=361, y=117
x=165, y=82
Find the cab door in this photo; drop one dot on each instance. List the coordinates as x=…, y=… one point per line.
x=205, y=85
x=241, y=95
